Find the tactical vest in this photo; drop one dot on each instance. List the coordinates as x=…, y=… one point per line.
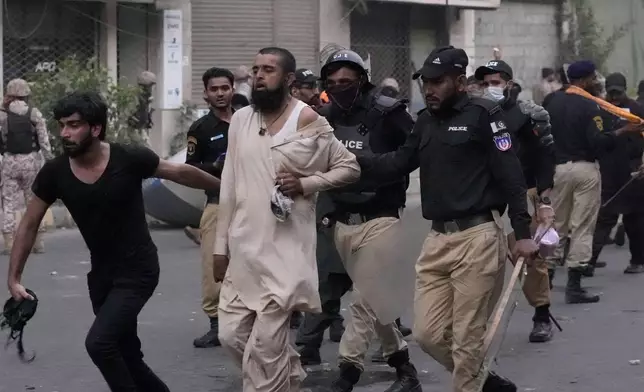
x=356, y=139
x=20, y=135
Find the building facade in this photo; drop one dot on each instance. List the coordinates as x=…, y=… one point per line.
x=179, y=39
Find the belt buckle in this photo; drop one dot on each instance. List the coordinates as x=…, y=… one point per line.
x=451, y=227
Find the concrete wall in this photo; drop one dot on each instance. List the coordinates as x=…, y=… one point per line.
x=526, y=33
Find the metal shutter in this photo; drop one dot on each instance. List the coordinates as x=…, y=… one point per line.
x=296, y=29
x=227, y=33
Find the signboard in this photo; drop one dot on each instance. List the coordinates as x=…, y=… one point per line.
x=172, y=59
x=453, y=3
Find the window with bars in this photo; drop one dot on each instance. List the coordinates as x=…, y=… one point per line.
x=38, y=34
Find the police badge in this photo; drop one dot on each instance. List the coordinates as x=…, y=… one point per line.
x=503, y=142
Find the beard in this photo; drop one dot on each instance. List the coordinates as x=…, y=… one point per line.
x=74, y=150
x=269, y=100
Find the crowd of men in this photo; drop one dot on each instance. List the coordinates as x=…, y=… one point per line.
x=304, y=204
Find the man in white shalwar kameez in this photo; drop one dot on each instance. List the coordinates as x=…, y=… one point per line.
x=277, y=143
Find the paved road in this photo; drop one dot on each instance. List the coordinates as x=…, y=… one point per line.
x=591, y=355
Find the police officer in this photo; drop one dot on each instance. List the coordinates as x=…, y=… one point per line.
x=469, y=174
x=305, y=88
x=207, y=144
x=363, y=220
x=616, y=168
x=578, y=129
x=529, y=126
x=24, y=138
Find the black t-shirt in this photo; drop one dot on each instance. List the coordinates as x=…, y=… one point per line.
x=109, y=213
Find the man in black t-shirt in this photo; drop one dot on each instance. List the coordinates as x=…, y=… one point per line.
x=100, y=184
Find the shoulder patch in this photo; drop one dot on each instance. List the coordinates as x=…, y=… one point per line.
x=498, y=126
x=503, y=141
x=599, y=122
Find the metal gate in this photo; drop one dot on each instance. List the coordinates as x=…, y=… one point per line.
x=38, y=34
x=383, y=36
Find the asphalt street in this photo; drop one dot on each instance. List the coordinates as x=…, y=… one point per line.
x=598, y=351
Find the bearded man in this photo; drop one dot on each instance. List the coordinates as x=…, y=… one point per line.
x=280, y=154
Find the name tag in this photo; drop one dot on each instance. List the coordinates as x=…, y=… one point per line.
x=220, y=136
x=353, y=144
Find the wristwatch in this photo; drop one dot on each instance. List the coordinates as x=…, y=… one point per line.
x=545, y=200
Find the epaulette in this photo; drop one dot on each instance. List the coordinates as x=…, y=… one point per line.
x=381, y=105
x=491, y=106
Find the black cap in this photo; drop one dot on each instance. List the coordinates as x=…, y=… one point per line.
x=442, y=60
x=616, y=82
x=305, y=76
x=493, y=67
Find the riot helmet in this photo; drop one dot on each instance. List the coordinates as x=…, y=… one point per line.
x=343, y=57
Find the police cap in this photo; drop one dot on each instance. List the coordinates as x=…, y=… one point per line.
x=343, y=56
x=493, y=67
x=305, y=76
x=441, y=61
x=18, y=88
x=616, y=82
x=581, y=69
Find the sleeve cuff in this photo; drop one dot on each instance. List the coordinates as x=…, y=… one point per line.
x=221, y=247
x=522, y=231
x=309, y=185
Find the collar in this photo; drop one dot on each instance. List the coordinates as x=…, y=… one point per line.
x=217, y=119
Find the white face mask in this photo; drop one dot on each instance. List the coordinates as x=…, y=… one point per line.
x=495, y=93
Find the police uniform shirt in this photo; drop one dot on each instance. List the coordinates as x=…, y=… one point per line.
x=577, y=127
x=207, y=141
x=467, y=164
x=537, y=160
x=387, y=135
x=617, y=165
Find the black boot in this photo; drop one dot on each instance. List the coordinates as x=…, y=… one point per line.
x=634, y=269
x=405, y=331
x=349, y=376
x=336, y=330
x=406, y=375
x=542, y=327
x=296, y=320
x=210, y=339
x=496, y=383
x=309, y=356
x=551, y=276
x=574, y=293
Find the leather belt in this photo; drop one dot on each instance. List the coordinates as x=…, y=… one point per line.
x=354, y=219
x=462, y=224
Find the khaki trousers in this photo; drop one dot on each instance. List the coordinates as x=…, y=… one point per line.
x=459, y=279
x=536, y=283
x=358, y=244
x=258, y=342
x=209, y=288
x=576, y=198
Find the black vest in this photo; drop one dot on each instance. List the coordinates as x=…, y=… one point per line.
x=356, y=139
x=21, y=137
